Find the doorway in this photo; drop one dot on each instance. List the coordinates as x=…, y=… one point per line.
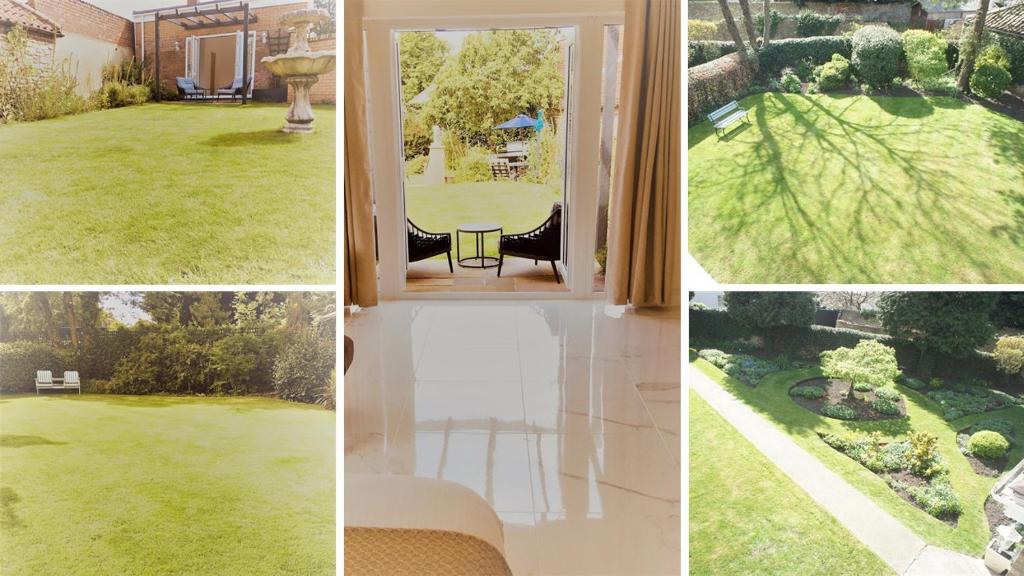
x=215, y=61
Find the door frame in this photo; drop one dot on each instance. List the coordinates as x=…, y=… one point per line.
x=195, y=41
x=383, y=95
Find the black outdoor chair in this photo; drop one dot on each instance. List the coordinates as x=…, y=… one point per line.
x=423, y=244
x=542, y=243
x=188, y=90
x=235, y=89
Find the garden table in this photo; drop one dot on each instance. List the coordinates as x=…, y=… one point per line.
x=478, y=230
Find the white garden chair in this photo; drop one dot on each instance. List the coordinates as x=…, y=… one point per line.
x=44, y=380
x=71, y=380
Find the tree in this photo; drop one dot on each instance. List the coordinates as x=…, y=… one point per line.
x=734, y=33
x=953, y=323
x=869, y=362
x=495, y=76
x=42, y=302
x=422, y=54
x=972, y=46
x=70, y=317
x=1009, y=310
x=1009, y=355
x=766, y=312
x=766, y=8
x=328, y=27
x=748, y=23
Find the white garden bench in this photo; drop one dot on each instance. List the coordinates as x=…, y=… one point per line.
x=726, y=115
x=46, y=381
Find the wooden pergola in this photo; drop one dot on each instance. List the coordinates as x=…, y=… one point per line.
x=214, y=15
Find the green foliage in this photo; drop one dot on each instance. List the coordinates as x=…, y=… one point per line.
x=954, y=323
x=747, y=369
x=241, y=363
x=421, y=54
x=776, y=19
x=790, y=82
x=164, y=361
x=764, y=312
x=834, y=74
x=474, y=166
x=994, y=54
x=814, y=24
x=417, y=134
x=971, y=400
x=302, y=372
x=713, y=84
x=936, y=383
x=862, y=387
x=545, y=158
x=839, y=411
x=990, y=80
x=888, y=394
x=883, y=406
x=869, y=362
x=698, y=30
x=876, y=55
x=912, y=383
x=716, y=357
x=812, y=392
x=1009, y=354
x=988, y=444
x=415, y=165
x=496, y=75
x=924, y=459
x=937, y=498
x=791, y=51
x=1009, y=310
x=926, y=55
x=28, y=93
x=19, y=362
x=1014, y=48
x=700, y=52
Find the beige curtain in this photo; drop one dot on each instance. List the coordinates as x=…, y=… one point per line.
x=359, y=253
x=643, y=241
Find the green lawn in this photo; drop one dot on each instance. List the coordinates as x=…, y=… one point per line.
x=148, y=485
x=517, y=206
x=771, y=399
x=745, y=514
x=856, y=189
x=168, y=194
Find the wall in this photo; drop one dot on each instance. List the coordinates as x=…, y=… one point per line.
x=40, y=48
x=324, y=91
x=92, y=38
x=172, y=43
x=853, y=11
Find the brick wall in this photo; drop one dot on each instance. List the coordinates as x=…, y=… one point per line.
x=78, y=17
x=172, y=43
x=324, y=91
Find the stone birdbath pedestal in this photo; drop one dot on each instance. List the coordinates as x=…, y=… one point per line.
x=300, y=67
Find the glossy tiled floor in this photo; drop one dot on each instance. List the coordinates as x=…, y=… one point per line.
x=564, y=416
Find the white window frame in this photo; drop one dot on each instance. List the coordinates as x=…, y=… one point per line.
x=584, y=140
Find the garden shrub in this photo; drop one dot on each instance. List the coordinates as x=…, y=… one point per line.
x=415, y=165
x=924, y=459
x=29, y=93
x=812, y=392
x=716, y=357
x=805, y=69
x=926, y=55
x=714, y=84
x=791, y=51
x=988, y=444
x=876, y=55
x=303, y=369
x=748, y=369
x=707, y=50
x=701, y=30
x=1001, y=426
x=164, y=361
x=814, y=24
x=888, y=394
x=884, y=406
x=790, y=82
x=19, y=362
x=1009, y=354
x=937, y=498
x=417, y=132
x=912, y=383
x=474, y=166
x=839, y=411
x=994, y=54
x=936, y=383
x=1014, y=48
x=545, y=153
x=776, y=19
x=990, y=80
x=863, y=387
x=833, y=74
x=241, y=363
x=120, y=94
x=714, y=326
x=972, y=400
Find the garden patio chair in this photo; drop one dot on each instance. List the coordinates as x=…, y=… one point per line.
x=234, y=90
x=44, y=380
x=423, y=244
x=542, y=243
x=71, y=380
x=188, y=90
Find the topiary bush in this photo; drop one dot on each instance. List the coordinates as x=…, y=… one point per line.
x=834, y=74
x=926, y=55
x=791, y=51
x=990, y=80
x=876, y=55
x=839, y=411
x=811, y=392
x=988, y=444
x=19, y=362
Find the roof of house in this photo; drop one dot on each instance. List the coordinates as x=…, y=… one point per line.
x=12, y=12
x=1009, y=20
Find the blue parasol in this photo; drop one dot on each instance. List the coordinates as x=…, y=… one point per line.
x=520, y=121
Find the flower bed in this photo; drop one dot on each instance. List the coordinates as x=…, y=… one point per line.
x=990, y=467
x=830, y=398
x=965, y=400
x=748, y=369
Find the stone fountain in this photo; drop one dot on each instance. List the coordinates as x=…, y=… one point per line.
x=301, y=67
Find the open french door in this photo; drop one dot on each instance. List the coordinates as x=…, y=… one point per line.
x=567, y=160
x=239, y=68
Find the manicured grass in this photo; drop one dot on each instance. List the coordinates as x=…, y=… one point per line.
x=853, y=189
x=149, y=485
x=168, y=194
x=748, y=516
x=771, y=399
x=516, y=206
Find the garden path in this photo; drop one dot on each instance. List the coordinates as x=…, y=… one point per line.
x=905, y=552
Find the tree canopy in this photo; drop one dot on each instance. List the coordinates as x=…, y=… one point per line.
x=954, y=323
x=763, y=312
x=421, y=54
x=869, y=362
x=496, y=75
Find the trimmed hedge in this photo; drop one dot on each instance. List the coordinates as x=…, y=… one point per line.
x=714, y=84
x=702, y=52
x=876, y=55
x=714, y=326
x=780, y=54
x=19, y=362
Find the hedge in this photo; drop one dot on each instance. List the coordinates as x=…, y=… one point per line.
x=1015, y=52
x=702, y=52
x=19, y=362
x=790, y=52
x=877, y=51
x=714, y=84
x=714, y=326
